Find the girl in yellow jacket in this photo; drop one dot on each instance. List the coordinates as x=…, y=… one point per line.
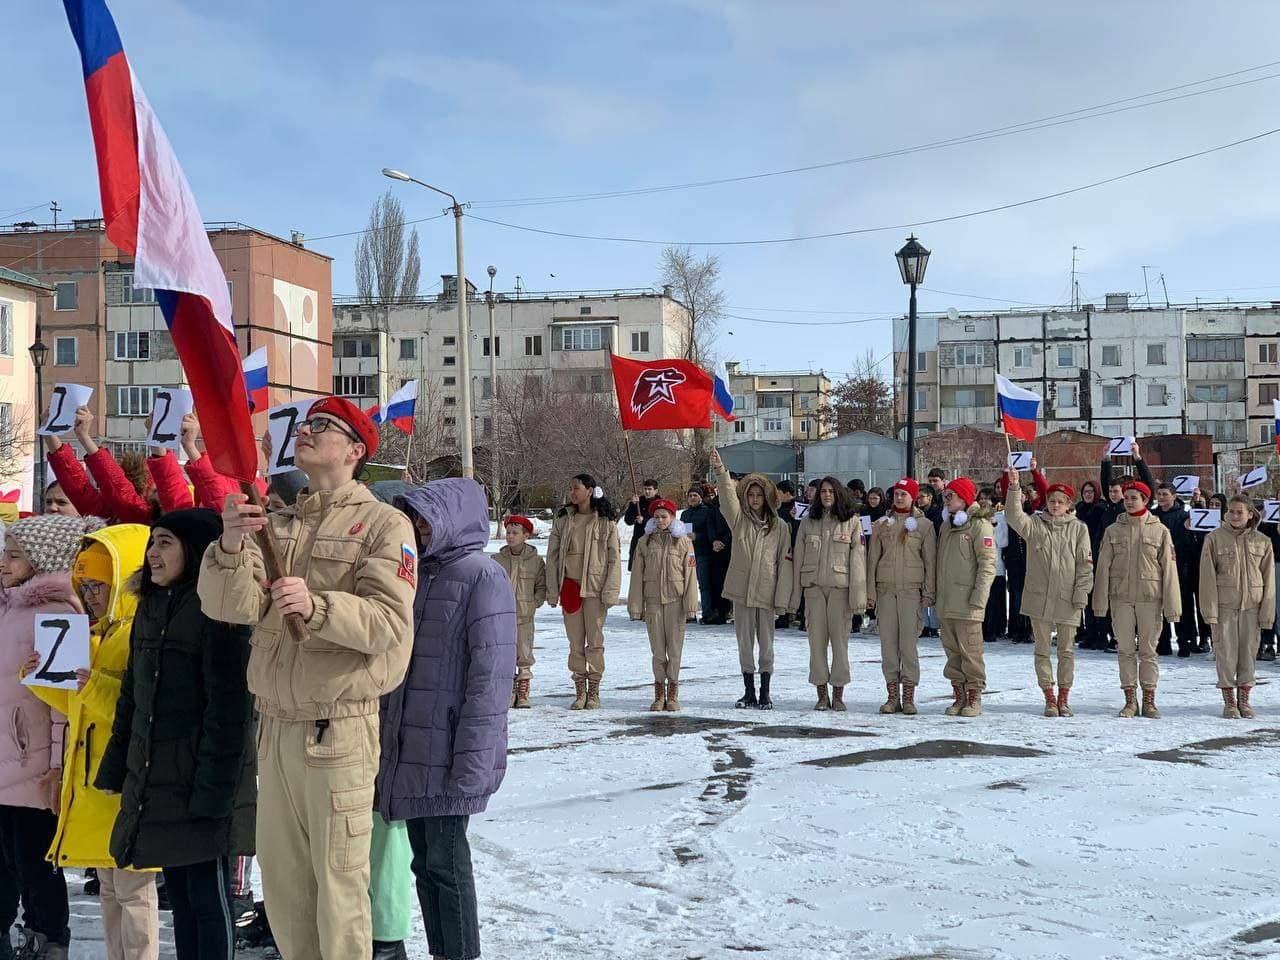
x=1237, y=599
x=107, y=559
x=664, y=592
x=830, y=572
x=900, y=585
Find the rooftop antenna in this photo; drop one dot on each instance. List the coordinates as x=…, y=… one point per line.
x=1075, y=284
x=1145, y=286
x=1166, y=291
x=56, y=210
x=517, y=286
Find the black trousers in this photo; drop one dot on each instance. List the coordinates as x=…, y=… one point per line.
x=199, y=897
x=27, y=878
x=1019, y=626
x=996, y=619
x=446, y=886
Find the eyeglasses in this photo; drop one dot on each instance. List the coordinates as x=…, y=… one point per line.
x=321, y=424
x=94, y=586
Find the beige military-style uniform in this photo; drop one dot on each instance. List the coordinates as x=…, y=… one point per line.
x=901, y=562
x=664, y=593
x=966, y=569
x=829, y=568
x=318, y=745
x=585, y=548
x=1237, y=598
x=528, y=574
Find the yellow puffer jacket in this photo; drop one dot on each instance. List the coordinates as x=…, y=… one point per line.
x=87, y=815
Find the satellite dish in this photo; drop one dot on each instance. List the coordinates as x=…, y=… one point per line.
x=953, y=313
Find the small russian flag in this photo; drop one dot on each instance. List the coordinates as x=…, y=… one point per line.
x=400, y=408
x=255, y=379
x=1275, y=409
x=721, y=398
x=1019, y=409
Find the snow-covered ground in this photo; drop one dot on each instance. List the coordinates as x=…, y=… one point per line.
x=717, y=832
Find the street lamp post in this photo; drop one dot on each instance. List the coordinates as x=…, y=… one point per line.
x=39, y=355
x=464, y=321
x=493, y=398
x=913, y=258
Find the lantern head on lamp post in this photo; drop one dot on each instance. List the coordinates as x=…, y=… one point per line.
x=913, y=259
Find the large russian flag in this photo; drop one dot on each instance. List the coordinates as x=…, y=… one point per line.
x=1019, y=409
x=150, y=213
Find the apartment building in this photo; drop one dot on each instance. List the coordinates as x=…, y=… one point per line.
x=1117, y=371
x=558, y=342
x=108, y=334
x=780, y=406
x=21, y=300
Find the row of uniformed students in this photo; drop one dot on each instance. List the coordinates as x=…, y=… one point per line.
x=905, y=568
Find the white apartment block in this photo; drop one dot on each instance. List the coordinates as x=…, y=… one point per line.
x=1116, y=371
x=558, y=342
x=781, y=406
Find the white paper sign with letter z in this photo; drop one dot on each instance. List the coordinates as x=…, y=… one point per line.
x=62, y=408
x=282, y=425
x=62, y=641
x=1205, y=521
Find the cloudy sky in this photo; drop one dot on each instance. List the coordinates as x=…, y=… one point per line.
x=284, y=113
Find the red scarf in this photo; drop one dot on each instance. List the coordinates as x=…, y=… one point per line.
x=1140, y=513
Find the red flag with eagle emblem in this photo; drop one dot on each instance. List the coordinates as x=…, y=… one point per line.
x=662, y=394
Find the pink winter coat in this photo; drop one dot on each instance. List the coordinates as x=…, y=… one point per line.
x=30, y=733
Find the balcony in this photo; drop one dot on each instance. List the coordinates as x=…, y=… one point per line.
x=963, y=416
x=1211, y=412
x=984, y=375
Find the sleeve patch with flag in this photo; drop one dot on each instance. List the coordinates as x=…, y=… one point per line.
x=408, y=565
x=988, y=542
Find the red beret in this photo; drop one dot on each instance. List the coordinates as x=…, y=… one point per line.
x=666, y=505
x=1138, y=485
x=518, y=521
x=963, y=488
x=909, y=485
x=353, y=417
x=1063, y=488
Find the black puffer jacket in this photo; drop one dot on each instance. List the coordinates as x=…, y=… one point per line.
x=182, y=751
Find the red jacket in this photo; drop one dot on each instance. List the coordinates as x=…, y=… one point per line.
x=69, y=473
x=211, y=487
x=170, y=484
x=124, y=504
x=1042, y=489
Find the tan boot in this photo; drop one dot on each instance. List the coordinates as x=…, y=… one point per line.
x=909, y=699
x=1242, y=703
x=837, y=699
x=522, y=693
x=957, y=705
x=1050, y=703
x=1130, y=708
x=673, y=696
x=1229, y=709
x=579, y=694
x=593, y=694
x=972, y=704
x=515, y=682
x=659, y=697
x=1064, y=705
x=823, y=703
x=894, y=703
x=1149, y=708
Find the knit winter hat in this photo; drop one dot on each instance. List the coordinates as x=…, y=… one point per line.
x=907, y=484
x=963, y=488
x=51, y=541
x=93, y=563
x=196, y=527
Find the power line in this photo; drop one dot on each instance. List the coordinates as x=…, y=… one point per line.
x=809, y=323
x=880, y=229
x=1073, y=116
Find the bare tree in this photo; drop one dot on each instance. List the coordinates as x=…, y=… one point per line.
x=387, y=268
x=862, y=401
x=17, y=443
x=695, y=282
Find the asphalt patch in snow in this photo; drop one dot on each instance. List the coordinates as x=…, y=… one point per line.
x=1262, y=933
x=1193, y=753
x=776, y=732
x=670, y=725
x=1008, y=785
x=927, y=750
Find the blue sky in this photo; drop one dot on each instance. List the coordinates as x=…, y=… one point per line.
x=284, y=113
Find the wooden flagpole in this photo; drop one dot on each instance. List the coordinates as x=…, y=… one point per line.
x=271, y=559
x=626, y=442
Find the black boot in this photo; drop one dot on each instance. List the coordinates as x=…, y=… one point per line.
x=748, y=699
x=389, y=950
x=766, y=702
x=6, y=946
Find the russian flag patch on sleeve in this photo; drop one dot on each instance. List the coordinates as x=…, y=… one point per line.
x=408, y=571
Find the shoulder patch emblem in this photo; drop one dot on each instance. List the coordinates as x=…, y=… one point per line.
x=408, y=571
x=355, y=529
x=988, y=542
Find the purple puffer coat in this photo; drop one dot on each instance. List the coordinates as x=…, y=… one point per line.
x=444, y=731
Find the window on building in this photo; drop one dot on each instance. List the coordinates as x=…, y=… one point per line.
x=533, y=346
x=6, y=330
x=1021, y=357
x=1269, y=353
x=597, y=383
x=922, y=361
x=126, y=293
x=450, y=401
x=6, y=419
x=922, y=400
x=1066, y=355
x=1066, y=395
x=1111, y=355
x=1211, y=393
x=486, y=388
x=353, y=386
x=772, y=425
x=450, y=361
x=805, y=401
x=357, y=346
x=1267, y=432
x=450, y=341
x=1268, y=392
x=1155, y=430
x=969, y=355
x=739, y=426
x=804, y=425
x=135, y=401
x=408, y=349
x=134, y=345
x=1155, y=355
x=66, y=296
x=1157, y=395
x=1210, y=349
x=66, y=351
x=739, y=401
x=486, y=426
x=497, y=346
x=581, y=338
x=450, y=421
x=973, y=397
x=775, y=401
x=1111, y=395
x=584, y=311
x=450, y=381
x=639, y=341
x=1222, y=431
